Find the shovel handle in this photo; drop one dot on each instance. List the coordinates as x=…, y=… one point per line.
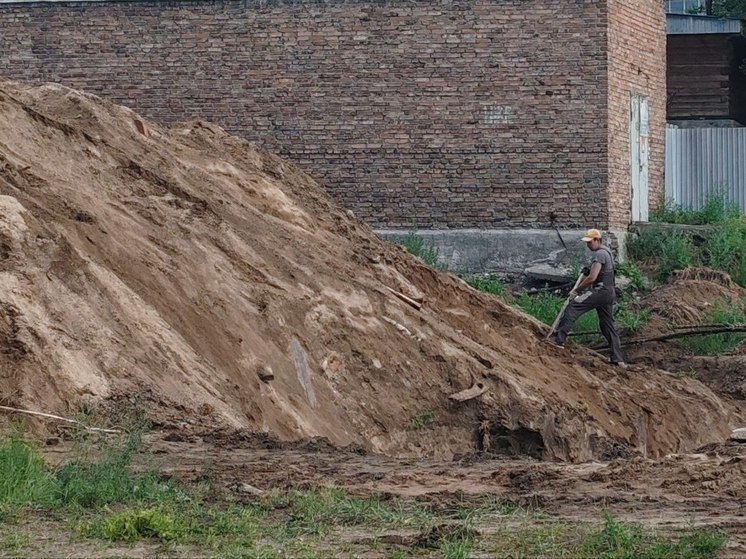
x=564, y=306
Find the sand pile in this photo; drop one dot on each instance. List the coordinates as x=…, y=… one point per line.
x=222, y=280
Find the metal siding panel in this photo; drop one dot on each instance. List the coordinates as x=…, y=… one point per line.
x=699, y=161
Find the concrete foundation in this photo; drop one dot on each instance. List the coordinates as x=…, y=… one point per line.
x=509, y=251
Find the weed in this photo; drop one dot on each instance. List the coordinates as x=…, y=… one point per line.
x=132, y=525
x=191, y=524
x=726, y=249
x=457, y=543
x=109, y=478
x=575, y=269
x=24, y=478
x=14, y=542
x=722, y=248
x=488, y=506
x=546, y=306
x=317, y=511
x=716, y=209
x=488, y=285
x=423, y=420
x=691, y=373
x=718, y=344
x=620, y=541
x=638, y=280
x=415, y=245
x=631, y=319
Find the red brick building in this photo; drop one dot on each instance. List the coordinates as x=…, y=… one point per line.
x=460, y=116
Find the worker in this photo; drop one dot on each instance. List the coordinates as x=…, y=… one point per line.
x=601, y=294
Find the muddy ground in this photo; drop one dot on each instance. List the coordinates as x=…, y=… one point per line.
x=703, y=489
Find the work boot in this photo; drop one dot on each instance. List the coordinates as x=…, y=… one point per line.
x=554, y=341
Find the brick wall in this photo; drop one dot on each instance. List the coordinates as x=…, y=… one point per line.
x=429, y=114
x=637, y=65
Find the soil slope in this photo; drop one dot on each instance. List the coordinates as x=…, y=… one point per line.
x=223, y=282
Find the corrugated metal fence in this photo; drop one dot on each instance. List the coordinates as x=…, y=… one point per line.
x=703, y=160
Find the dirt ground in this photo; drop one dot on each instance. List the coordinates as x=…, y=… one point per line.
x=251, y=313
x=702, y=489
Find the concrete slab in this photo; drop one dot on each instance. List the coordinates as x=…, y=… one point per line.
x=549, y=272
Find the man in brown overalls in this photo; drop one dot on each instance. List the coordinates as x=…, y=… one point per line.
x=601, y=296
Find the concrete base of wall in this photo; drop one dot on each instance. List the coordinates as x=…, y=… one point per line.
x=474, y=251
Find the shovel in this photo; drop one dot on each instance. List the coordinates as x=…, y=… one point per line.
x=562, y=310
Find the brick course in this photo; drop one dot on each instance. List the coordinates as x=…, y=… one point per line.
x=418, y=114
x=637, y=65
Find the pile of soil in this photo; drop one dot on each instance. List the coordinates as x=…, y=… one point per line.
x=686, y=299
x=222, y=281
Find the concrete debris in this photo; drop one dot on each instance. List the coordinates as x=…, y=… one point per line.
x=548, y=272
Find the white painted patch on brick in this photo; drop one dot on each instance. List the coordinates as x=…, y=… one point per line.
x=497, y=114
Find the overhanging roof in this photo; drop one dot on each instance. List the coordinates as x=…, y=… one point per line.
x=680, y=24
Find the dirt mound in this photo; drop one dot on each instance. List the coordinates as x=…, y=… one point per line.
x=223, y=282
x=686, y=299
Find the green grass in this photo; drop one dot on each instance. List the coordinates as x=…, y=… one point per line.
x=638, y=280
x=716, y=209
x=488, y=285
x=24, y=478
x=718, y=344
x=630, y=318
x=424, y=419
x=428, y=253
x=609, y=540
x=622, y=541
x=458, y=542
x=13, y=542
x=135, y=524
x=722, y=247
x=98, y=476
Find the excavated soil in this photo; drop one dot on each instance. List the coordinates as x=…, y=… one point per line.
x=685, y=300
x=223, y=284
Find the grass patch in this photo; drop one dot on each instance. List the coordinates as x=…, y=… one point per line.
x=663, y=252
x=610, y=540
x=25, y=479
x=718, y=344
x=631, y=318
x=621, y=541
x=109, y=478
x=638, y=280
x=458, y=542
x=100, y=473
x=428, y=253
x=423, y=420
x=488, y=285
x=133, y=525
x=722, y=247
x=13, y=542
x=716, y=209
